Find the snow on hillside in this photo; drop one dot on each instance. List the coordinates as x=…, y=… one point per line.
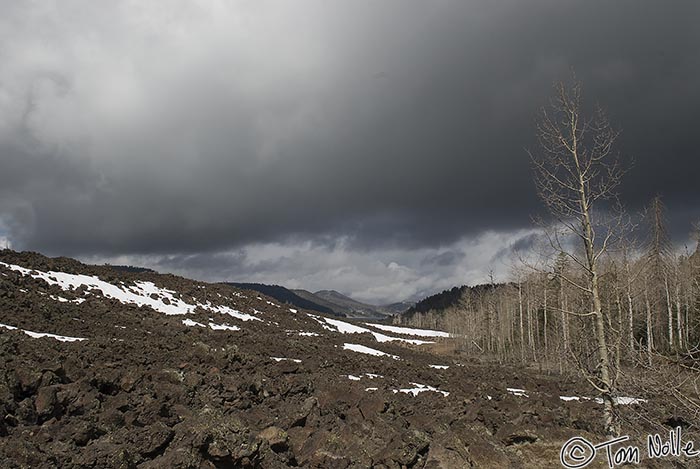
x=347, y=328
x=418, y=388
x=38, y=335
x=140, y=294
x=169, y=302
x=369, y=351
x=410, y=331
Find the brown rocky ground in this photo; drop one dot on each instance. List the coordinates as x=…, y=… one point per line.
x=145, y=390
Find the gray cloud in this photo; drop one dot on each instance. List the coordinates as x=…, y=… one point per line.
x=444, y=259
x=185, y=131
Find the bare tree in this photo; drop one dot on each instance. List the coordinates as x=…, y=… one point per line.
x=575, y=170
x=658, y=269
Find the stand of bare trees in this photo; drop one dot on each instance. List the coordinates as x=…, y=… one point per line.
x=595, y=303
x=528, y=322
x=636, y=322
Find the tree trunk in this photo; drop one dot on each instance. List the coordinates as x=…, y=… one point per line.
x=544, y=327
x=669, y=310
x=530, y=339
x=650, y=333
x=679, y=314
x=618, y=339
x=564, y=319
x=631, y=316
x=522, y=327
x=606, y=389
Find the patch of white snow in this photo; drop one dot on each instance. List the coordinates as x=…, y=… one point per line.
x=369, y=351
x=38, y=335
x=409, y=330
x=420, y=388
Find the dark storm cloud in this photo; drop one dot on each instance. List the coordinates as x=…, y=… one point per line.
x=186, y=129
x=520, y=246
x=444, y=259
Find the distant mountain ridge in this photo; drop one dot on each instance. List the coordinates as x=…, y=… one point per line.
x=344, y=303
x=350, y=307
x=338, y=309
x=288, y=296
x=397, y=308
x=326, y=301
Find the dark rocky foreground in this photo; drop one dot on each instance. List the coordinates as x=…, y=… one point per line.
x=145, y=390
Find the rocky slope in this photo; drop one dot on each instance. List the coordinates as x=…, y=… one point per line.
x=105, y=368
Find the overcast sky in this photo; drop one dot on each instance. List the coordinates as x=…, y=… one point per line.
x=375, y=148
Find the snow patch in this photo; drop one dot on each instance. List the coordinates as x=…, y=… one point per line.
x=420, y=388
x=223, y=327
x=279, y=359
x=347, y=328
x=229, y=311
x=369, y=351
x=321, y=321
x=368, y=375
x=626, y=400
x=622, y=400
x=38, y=335
x=409, y=331
x=191, y=323
x=517, y=392
x=569, y=398
x=212, y=326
